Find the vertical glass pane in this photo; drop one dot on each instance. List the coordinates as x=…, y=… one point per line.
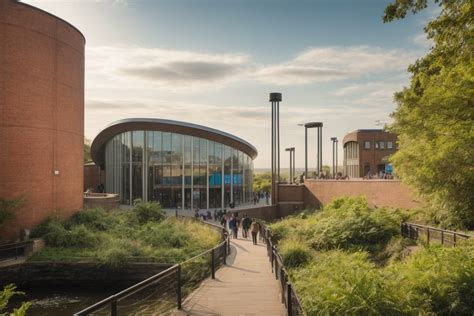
x=137, y=167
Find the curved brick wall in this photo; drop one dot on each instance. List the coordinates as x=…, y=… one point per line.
x=41, y=114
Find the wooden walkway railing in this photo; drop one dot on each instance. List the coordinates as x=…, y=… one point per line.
x=432, y=234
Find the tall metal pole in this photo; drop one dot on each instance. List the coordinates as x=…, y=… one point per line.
x=273, y=154
x=275, y=99
x=278, y=137
x=317, y=152
x=306, y=152
x=321, y=148
x=337, y=141
x=294, y=169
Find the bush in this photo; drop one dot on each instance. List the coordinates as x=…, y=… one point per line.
x=96, y=219
x=8, y=208
x=438, y=279
x=148, y=211
x=340, y=283
x=56, y=235
x=294, y=253
x=114, y=257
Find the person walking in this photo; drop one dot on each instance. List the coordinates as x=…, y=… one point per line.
x=233, y=226
x=254, y=229
x=246, y=223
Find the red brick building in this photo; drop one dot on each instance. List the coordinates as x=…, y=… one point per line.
x=41, y=114
x=366, y=151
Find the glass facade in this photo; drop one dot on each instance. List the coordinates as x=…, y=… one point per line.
x=176, y=170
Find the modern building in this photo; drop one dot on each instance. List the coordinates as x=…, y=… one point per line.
x=366, y=151
x=41, y=114
x=175, y=163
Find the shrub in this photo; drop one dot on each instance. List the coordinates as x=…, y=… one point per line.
x=438, y=279
x=340, y=283
x=148, y=211
x=44, y=227
x=114, y=257
x=294, y=253
x=8, y=208
x=56, y=235
x=96, y=219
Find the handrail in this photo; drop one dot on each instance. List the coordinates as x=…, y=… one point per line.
x=288, y=292
x=113, y=299
x=5, y=248
x=412, y=230
x=438, y=229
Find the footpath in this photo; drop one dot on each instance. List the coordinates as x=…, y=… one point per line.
x=245, y=286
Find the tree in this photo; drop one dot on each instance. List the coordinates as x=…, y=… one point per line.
x=435, y=113
x=87, y=150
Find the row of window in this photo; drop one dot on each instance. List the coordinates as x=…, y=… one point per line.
x=378, y=144
x=177, y=170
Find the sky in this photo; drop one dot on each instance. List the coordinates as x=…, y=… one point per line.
x=214, y=63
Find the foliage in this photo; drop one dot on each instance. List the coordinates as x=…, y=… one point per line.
x=5, y=295
x=360, y=265
x=148, y=211
x=344, y=223
x=437, y=279
x=262, y=182
x=8, y=208
x=118, y=237
x=340, y=283
x=435, y=115
x=294, y=253
x=87, y=150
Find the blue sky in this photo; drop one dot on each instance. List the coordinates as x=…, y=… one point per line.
x=213, y=62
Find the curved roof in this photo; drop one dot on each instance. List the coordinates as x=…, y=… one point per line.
x=51, y=15
x=149, y=124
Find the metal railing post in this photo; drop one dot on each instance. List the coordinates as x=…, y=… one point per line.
x=225, y=253
x=428, y=236
x=213, y=266
x=442, y=238
x=288, y=299
x=113, y=308
x=454, y=240
x=178, y=287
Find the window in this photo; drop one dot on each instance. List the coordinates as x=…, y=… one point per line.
x=382, y=145
x=366, y=144
x=389, y=145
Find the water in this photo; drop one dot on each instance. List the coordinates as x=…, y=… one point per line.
x=61, y=300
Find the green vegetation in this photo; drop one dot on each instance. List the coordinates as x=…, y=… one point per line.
x=87, y=150
x=5, y=295
x=262, y=182
x=8, y=208
x=350, y=259
x=121, y=236
x=435, y=115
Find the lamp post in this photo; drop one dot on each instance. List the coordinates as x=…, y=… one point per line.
x=319, y=145
x=292, y=164
x=275, y=99
x=334, y=156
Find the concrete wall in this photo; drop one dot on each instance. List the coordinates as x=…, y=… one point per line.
x=41, y=114
x=77, y=273
x=266, y=212
x=106, y=201
x=378, y=192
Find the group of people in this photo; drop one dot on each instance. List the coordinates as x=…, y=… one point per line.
x=232, y=222
x=260, y=195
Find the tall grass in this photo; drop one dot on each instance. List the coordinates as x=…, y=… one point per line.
x=360, y=265
x=116, y=238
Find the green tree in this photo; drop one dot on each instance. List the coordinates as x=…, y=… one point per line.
x=87, y=150
x=434, y=117
x=5, y=296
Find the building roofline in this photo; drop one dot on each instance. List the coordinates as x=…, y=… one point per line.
x=50, y=14
x=191, y=129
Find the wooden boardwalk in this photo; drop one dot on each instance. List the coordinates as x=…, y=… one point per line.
x=245, y=286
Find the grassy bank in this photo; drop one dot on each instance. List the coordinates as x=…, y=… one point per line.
x=115, y=238
x=350, y=259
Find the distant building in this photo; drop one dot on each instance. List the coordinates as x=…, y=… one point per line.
x=178, y=164
x=366, y=151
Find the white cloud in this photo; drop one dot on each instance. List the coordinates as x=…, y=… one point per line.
x=422, y=40
x=335, y=63
x=136, y=67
